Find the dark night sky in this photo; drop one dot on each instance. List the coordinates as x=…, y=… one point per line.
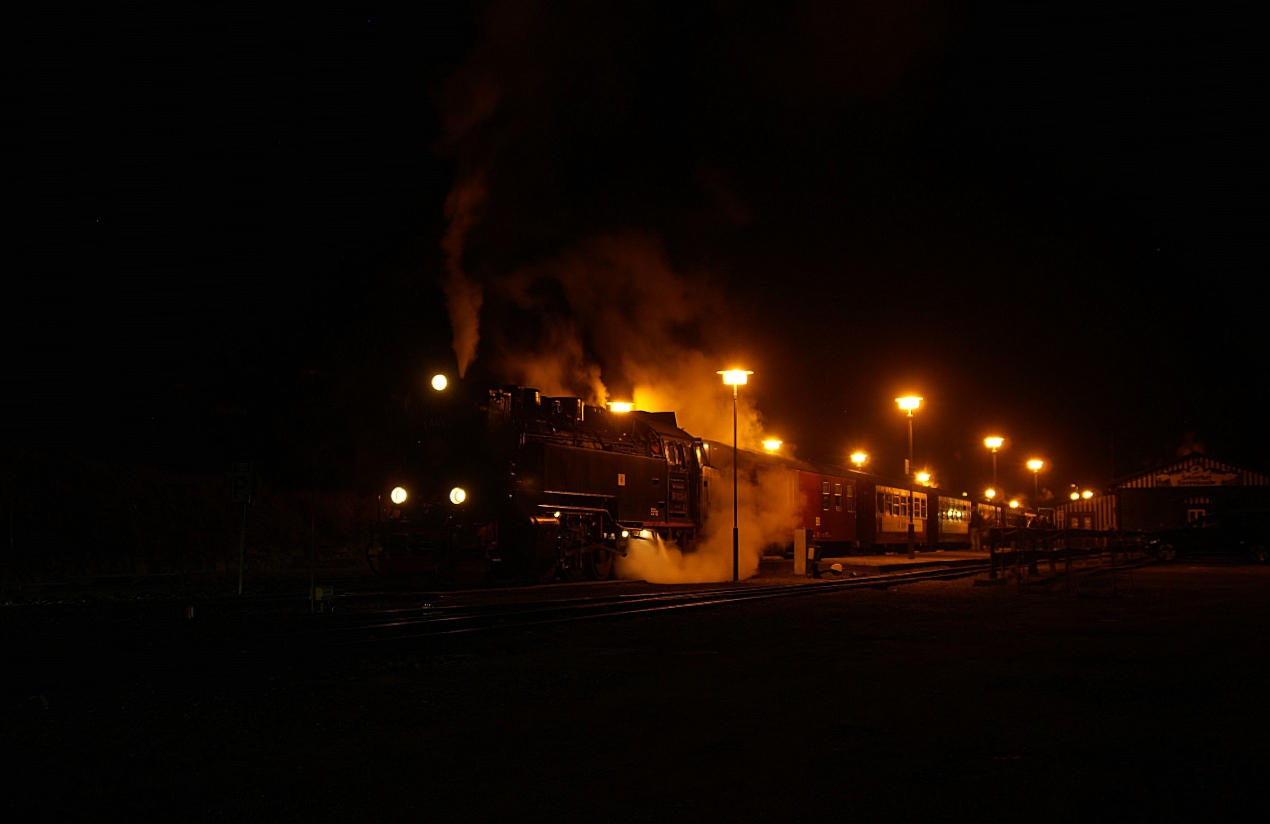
x=1043, y=217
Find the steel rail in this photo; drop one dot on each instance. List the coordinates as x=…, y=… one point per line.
x=458, y=619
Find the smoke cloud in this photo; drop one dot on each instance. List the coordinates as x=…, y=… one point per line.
x=463, y=296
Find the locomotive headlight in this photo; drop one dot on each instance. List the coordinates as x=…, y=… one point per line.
x=626, y=533
x=458, y=495
x=398, y=495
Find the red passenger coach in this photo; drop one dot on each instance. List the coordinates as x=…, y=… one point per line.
x=829, y=508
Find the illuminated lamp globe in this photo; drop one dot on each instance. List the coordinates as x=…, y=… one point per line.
x=1086, y=494
x=859, y=458
x=398, y=495
x=993, y=442
x=621, y=406
x=440, y=382
x=923, y=477
x=1075, y=496
x=772, y=444
x=458, y=495
x=989, y=494
x=1014, y=504
x=735, y=377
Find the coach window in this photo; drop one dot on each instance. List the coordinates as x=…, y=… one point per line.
x=851, y=497
x=824, y=495
x=837, y=497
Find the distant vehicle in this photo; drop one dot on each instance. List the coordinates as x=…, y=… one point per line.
x=1238, y=533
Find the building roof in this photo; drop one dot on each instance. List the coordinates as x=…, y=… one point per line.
x=1193, y=470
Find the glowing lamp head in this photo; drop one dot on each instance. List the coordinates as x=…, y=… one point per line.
x=994, y=442
x=1086, y=494
x=1035, y=464
x=621, y=406
x=735, y=377
x=909, y=403
x=923, y=477
x=1014, y=504
x=859, y=458
x=458, y=495
x=397, y=496
x=440, y=382
x=1075, y=496
x=989, y=494
x=772, y=444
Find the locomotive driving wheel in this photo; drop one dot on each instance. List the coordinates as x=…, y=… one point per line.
x=600, y=563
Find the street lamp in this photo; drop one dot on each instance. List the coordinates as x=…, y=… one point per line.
x=994, y=443
x=1035, y=465
x=859, y=459
x=772, y=444
x=909, y=403
x=735, y=378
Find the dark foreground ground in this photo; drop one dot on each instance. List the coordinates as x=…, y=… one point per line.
x=1142, y=702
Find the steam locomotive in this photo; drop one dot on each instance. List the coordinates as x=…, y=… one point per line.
x=523, y=486
x=534, y=488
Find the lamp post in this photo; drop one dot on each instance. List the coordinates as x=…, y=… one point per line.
x=1035, y=465
x=909, y=403
x=859, y=459
x=994, y=443
x=735, y=378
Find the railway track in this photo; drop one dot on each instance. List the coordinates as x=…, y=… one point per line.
x=434, y=620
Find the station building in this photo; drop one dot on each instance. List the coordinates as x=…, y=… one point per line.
x=1169, y=496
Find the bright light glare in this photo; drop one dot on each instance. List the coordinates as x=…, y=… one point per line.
x=1035, y=464
x=909, y=402
x=859, y=458
x=1075, y=496
x=1086, y=494
x=1014, y=504
x=458, y=495
x=772, y=444
x=989, y=494
x=398, y=495
x=735, y=377
x=621, y=406
x=993, y=442
x=440, y=382
x=645, y=533
x=923, y=477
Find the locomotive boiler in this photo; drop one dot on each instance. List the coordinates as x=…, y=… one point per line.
x=535, y=487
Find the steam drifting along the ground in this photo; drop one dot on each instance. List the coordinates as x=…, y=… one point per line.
x=766, y=514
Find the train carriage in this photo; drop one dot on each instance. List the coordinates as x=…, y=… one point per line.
x=889, y=506
x=951, y=525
